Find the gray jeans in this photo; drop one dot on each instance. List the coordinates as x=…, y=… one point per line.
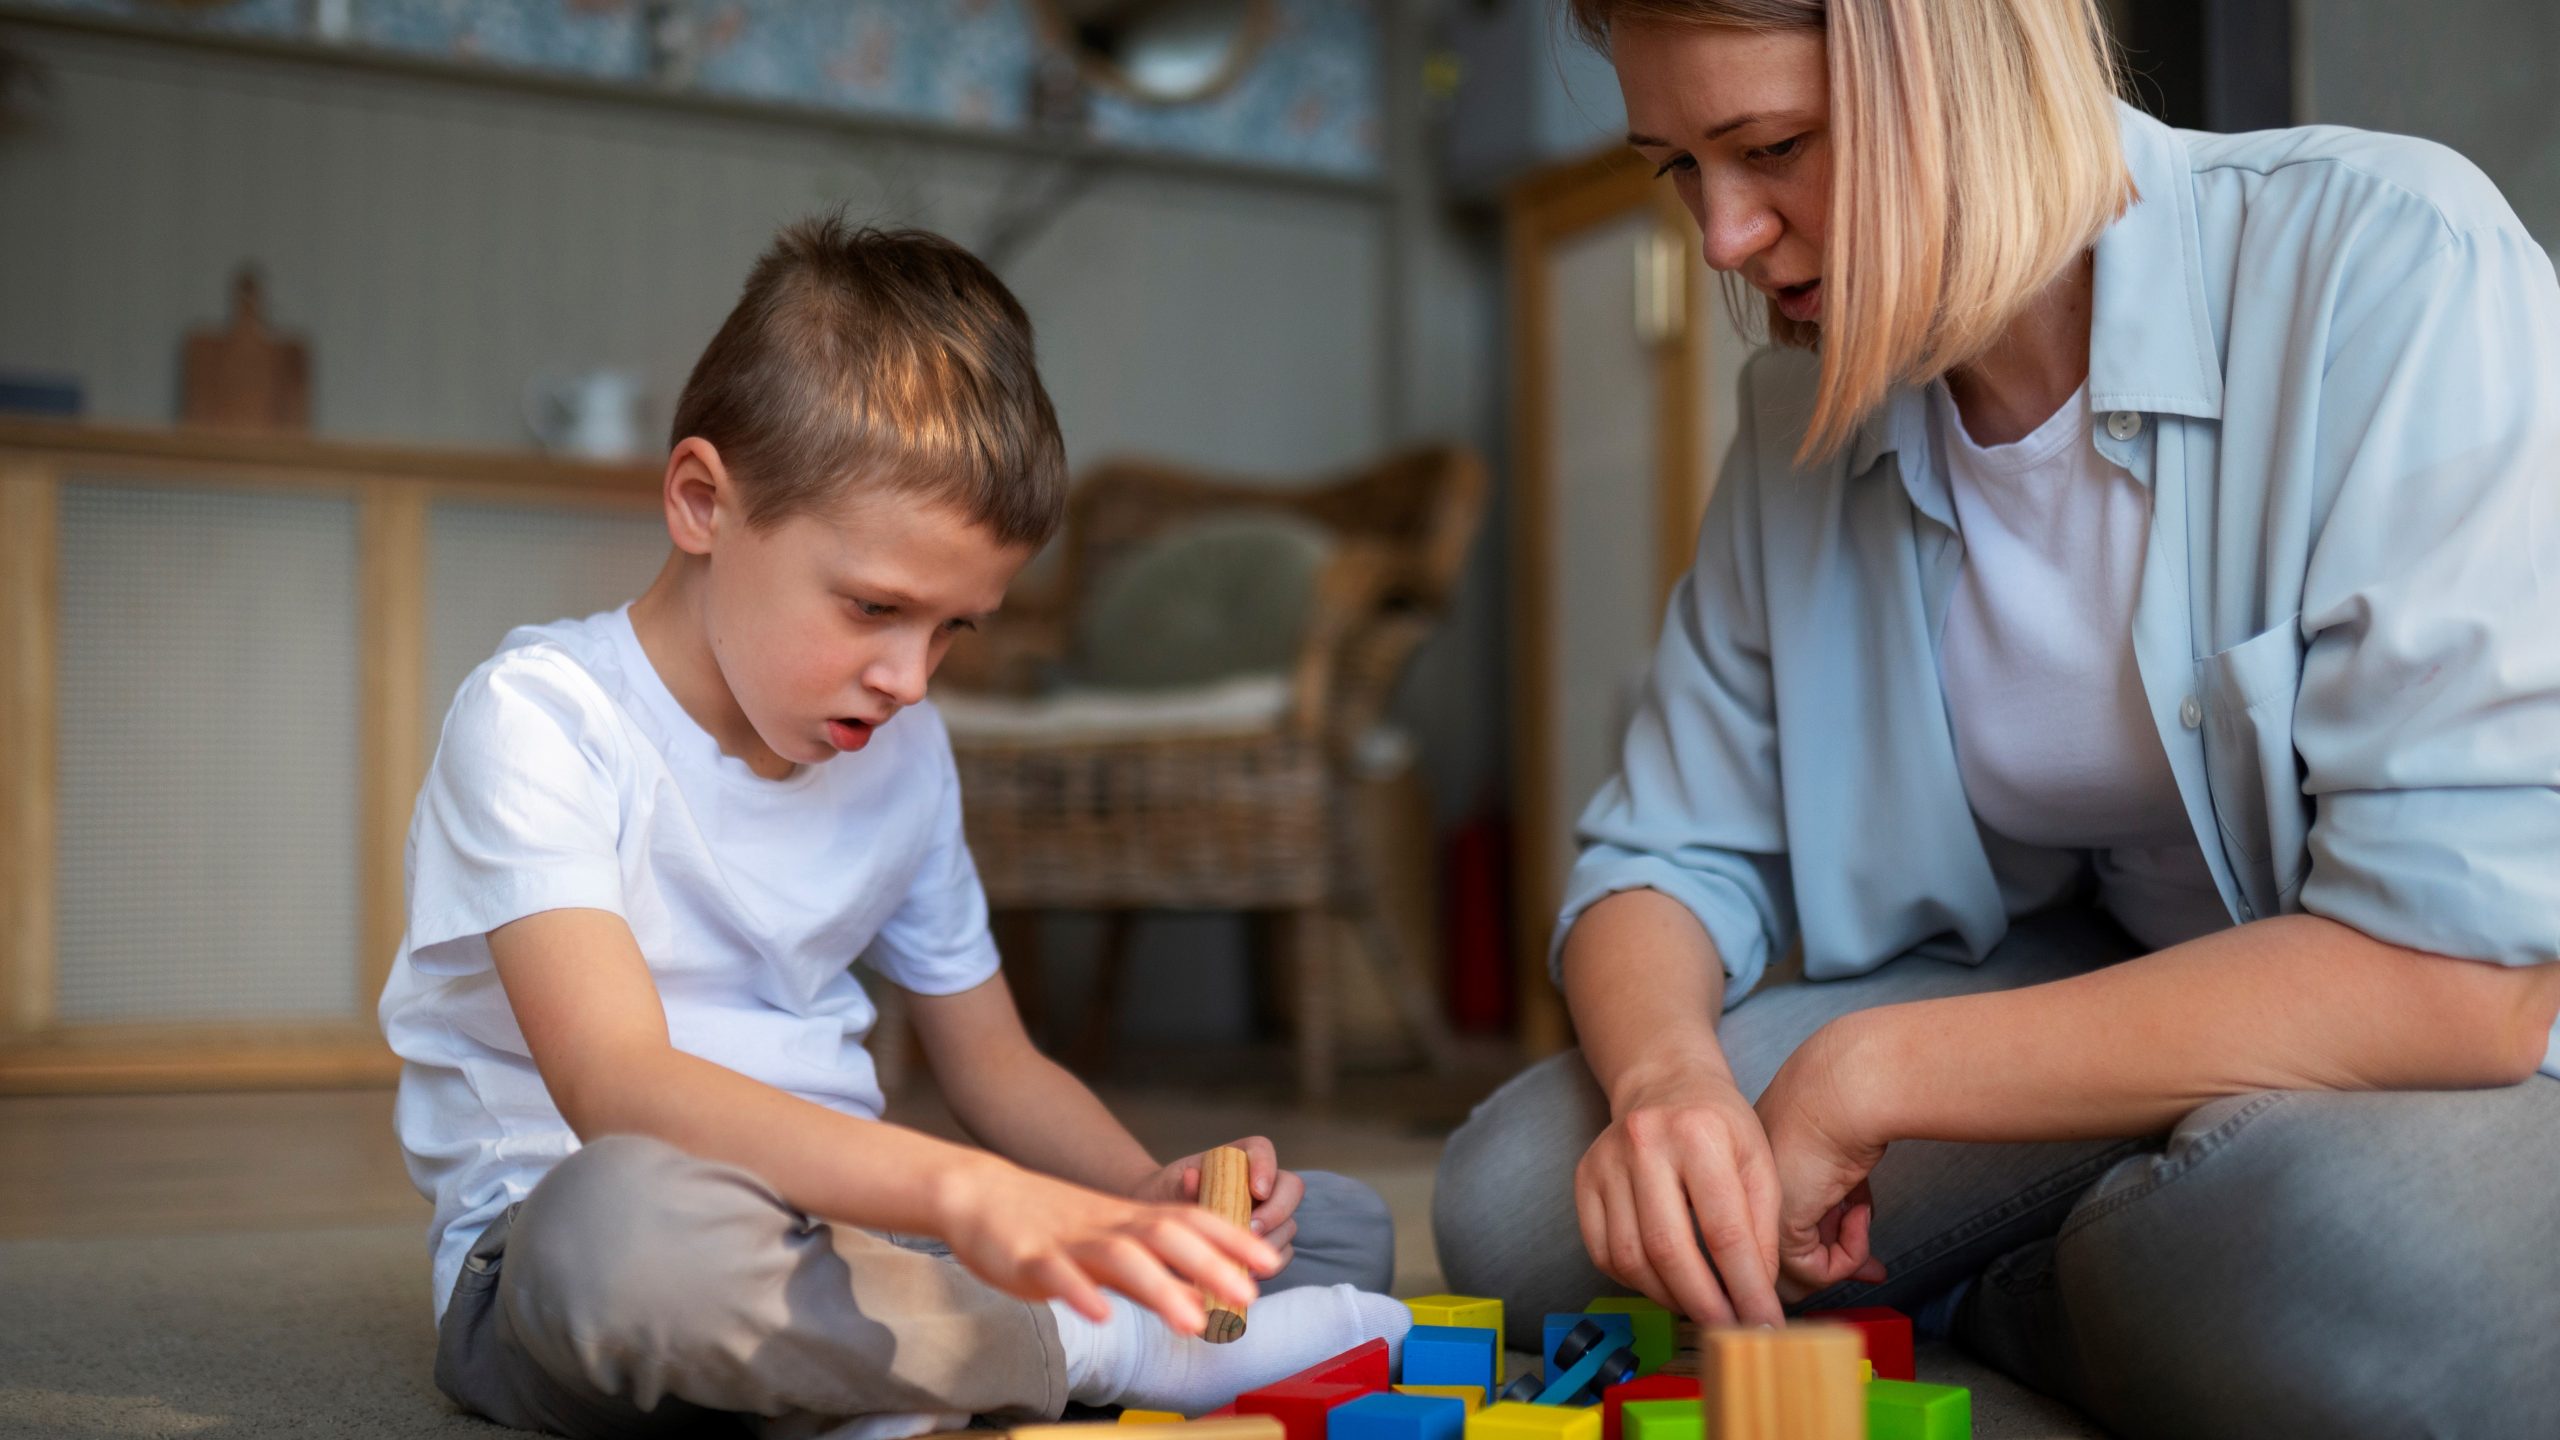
x=642, y=1291
x=2283, y=1263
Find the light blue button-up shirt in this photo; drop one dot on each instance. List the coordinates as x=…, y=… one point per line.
x=2334, y=360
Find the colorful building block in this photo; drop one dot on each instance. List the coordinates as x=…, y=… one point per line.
x=1303, y=1407
x=1252, y=1427
x=1562, y=1324
x=1393, y=1416
x=1149, y=1417
x=1451, y=1355
x=1665, y=1419
x=1654, y=1328
x=1523, y=1388
x=1364, y=1365
x=1907, y=1410
x=1598, y=1359
x=1513, y=1421
x=1464, y=1312
x=1866, y=1369
x=1473, y=1396
x=1616, y=1398
x=1885, y=1332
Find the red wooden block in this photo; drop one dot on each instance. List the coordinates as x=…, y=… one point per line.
x=1887, y=1333
x=1650, y=1387
x=1364, y=1365
x=1301, y=1406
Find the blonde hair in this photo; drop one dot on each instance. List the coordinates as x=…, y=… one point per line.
x=1974, y=157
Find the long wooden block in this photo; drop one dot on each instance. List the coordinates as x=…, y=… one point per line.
x=1241, y=1427
x=1800, y=1383
x=1226, y=1191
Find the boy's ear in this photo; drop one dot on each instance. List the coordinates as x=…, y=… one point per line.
x=697, y=492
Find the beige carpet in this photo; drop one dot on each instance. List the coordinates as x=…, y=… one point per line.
x=324, y=1333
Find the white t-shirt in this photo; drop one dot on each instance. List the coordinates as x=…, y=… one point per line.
x=2054, y=734
x=569, y=777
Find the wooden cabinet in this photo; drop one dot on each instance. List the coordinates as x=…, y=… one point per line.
x=223, y=661
x=1624, y=361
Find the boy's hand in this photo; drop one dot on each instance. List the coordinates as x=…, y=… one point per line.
x=1038, y=1238
x=1276, y=1193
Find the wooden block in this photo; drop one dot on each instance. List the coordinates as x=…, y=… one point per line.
x=1665, y=1420
x=1364, y=1365
x=1907, y=1410
x=1150, y=1417
x=1225, y=1191
x=1616, y=1398
x=1800, y=1383
x=1452, y=1355
x=1465, y=1312
x=1653, y=1328
x=1301, y=1406
x=1886, y=1333
x=1395, y=1416
x=1472, y=1395
x=1252, y=1427
x=1513, y=1420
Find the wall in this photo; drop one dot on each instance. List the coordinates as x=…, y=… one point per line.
x=2474, y=74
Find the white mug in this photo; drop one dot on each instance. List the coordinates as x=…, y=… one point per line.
x=594, y=415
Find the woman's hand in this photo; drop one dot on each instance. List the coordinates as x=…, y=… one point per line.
x=1685, y=1159
x=1037, y=1238
x=1824, y=1154
x=1276, y=1193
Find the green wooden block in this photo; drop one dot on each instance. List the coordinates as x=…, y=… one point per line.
x=1654, y=1334
x=1909, y=1410
x=1662, y=1420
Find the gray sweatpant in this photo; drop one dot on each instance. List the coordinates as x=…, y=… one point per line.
x=2280, y=1264
x=641, y=1291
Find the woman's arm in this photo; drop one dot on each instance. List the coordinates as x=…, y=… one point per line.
x=1683, y=1159
x=2292, y=1003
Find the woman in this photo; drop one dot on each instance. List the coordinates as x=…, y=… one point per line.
x=2122, y=650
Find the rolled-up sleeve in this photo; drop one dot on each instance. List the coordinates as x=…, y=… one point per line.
x=2428, y=715
x=1693, y=811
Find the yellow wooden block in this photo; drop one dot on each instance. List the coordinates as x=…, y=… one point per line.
x=1866, y=1369
x=1512, y=1420
x=1151, y=1417
x=1469, y=1310
x=1225, y=1427
x=1469, y=1393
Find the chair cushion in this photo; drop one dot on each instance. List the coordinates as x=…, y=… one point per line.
x=1224, y=596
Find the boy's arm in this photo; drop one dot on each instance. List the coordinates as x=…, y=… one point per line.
x=592, y=1020
x=1025, y=1106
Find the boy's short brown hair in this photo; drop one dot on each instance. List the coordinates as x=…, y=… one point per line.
x=860, y=357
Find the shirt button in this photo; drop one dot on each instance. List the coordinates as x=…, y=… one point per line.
x=2124, y=424
x=2191, y=712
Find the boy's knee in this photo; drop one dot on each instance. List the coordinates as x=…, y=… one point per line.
x=1345, y=1226
x=629, y=1227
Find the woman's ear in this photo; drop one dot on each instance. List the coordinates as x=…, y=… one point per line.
x=698, y=492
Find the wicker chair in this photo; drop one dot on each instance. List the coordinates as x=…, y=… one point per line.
x=1253, y=822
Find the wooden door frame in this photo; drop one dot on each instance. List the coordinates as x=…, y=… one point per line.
x=1541, y=211
x=393, y=490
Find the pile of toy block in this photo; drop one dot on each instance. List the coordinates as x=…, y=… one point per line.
x=1621, y=1369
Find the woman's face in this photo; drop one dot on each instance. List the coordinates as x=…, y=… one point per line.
x=1740, y=123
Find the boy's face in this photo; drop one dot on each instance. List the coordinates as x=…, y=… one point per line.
x=826, y=625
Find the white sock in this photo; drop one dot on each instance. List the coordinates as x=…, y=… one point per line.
x=1133, y=1359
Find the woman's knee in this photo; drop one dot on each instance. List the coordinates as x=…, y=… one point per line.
x=1502, y=1210
x=2336, y=1263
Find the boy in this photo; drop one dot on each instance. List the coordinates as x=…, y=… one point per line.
x=649, y=846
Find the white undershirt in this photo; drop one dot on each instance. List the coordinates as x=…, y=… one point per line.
x=2054, y=734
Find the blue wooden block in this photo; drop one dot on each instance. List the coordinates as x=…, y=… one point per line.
x=1389, y=1416
x=1560, y=1325
x=1593, y=1372
x=1450, y=1355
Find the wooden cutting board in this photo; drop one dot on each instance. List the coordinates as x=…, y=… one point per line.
x=246, y=376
